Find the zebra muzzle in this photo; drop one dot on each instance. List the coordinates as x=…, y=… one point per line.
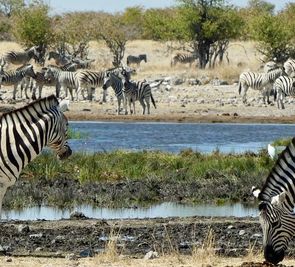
x=65, y=155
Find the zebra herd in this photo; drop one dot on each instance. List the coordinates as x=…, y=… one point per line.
x=73, y=75
x=279, y=80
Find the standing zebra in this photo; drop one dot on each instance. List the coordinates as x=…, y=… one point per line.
x=59, y=59
x=116, y=83
x=136, y=59
x=184, y=58
x=258, y=81
x=22, y=57
x=283, y=86
x=64, y=79
x=276, y=207
x=25, y=132
x=140, y=91
x=289, y=67
x=15, y=77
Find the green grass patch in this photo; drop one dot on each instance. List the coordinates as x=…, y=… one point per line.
x=282, y=142
x=74, y=134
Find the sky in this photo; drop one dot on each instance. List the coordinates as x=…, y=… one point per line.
x=111, y=6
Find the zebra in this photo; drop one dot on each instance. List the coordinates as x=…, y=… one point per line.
x=283, y=86
x=184, y=58
x=140, y=91
x=59, y=59
x=277, y=198
x=22, y=57
x=64, y=79
x=289, y=67
x=136, y=59
x=117, y=84
x=15, y=77
x=258, y=81
x=25, y=132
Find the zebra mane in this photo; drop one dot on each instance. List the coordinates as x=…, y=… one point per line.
x=282, y=177
x=50, y=100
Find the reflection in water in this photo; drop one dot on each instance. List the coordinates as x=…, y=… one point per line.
x=167, y=209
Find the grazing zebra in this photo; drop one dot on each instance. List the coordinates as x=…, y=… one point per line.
x=140, y=91
x=258, y=81
x=184, y=58
x=59, y=59
x=22, y=57
x=64, y=79
x=276, y=207
x=136, y=59
x=116, y=83
x=25, y=132
x=15, y=77
x=283, y=86
x=289, y=67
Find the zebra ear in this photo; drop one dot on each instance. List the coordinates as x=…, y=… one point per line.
x=255, y=191
x=64, y=105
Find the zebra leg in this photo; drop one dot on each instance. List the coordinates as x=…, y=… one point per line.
x=143, y=106
x=104, y=96
x=14, y=91
x=119, y=106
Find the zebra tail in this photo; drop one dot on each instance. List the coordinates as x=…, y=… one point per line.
x=153, y=101
x=240, y=88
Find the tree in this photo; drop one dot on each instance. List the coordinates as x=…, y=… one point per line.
x=273, y=36
x=210, y=23
x=115, y=32
x=8, y=7
x=32, y=25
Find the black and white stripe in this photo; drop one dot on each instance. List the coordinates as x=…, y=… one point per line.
x=258, y=81
x=141, y=91
x=64, y=80
x=117, y=84
x=289, y=67
x=276, y=207
x=59, y=59
x=283, y=86
x=184, y=58
x=21, y=57
x=136, y=59
x=15, y=77
x=25, y=132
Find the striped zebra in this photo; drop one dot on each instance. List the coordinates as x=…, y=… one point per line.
x=88, y=80
x=15, y=77
x=25, y=132
x=22, y=57
x=184, y=58
x=258, y=81
x=289, y=67
x=277, y=198
x=141, y=91
x=136, y=59
x=59, y=59
x=283, y=86
x=64, y=80
x=117, y=84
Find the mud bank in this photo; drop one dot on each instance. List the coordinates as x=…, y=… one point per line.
x=87, y=237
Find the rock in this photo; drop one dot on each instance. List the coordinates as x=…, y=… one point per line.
x=178, y=81
x=151, y=255
x=8, y=259
x=23, y=228
x=86, y=253
x=230, y=227
x=36, y=235
x=86, y=109
x=242, y=232
x=77, y=215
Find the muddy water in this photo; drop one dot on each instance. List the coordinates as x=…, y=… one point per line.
x=174, y=137
x=163, y=210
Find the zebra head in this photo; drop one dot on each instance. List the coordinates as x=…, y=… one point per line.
x=48, y=73
x=278, y=226
x=59, y=135
x=27, y=70
x=107, y=80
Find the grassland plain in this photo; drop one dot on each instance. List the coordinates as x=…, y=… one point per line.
x=209, y=102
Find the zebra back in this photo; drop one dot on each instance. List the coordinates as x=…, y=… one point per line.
x=21, y=57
